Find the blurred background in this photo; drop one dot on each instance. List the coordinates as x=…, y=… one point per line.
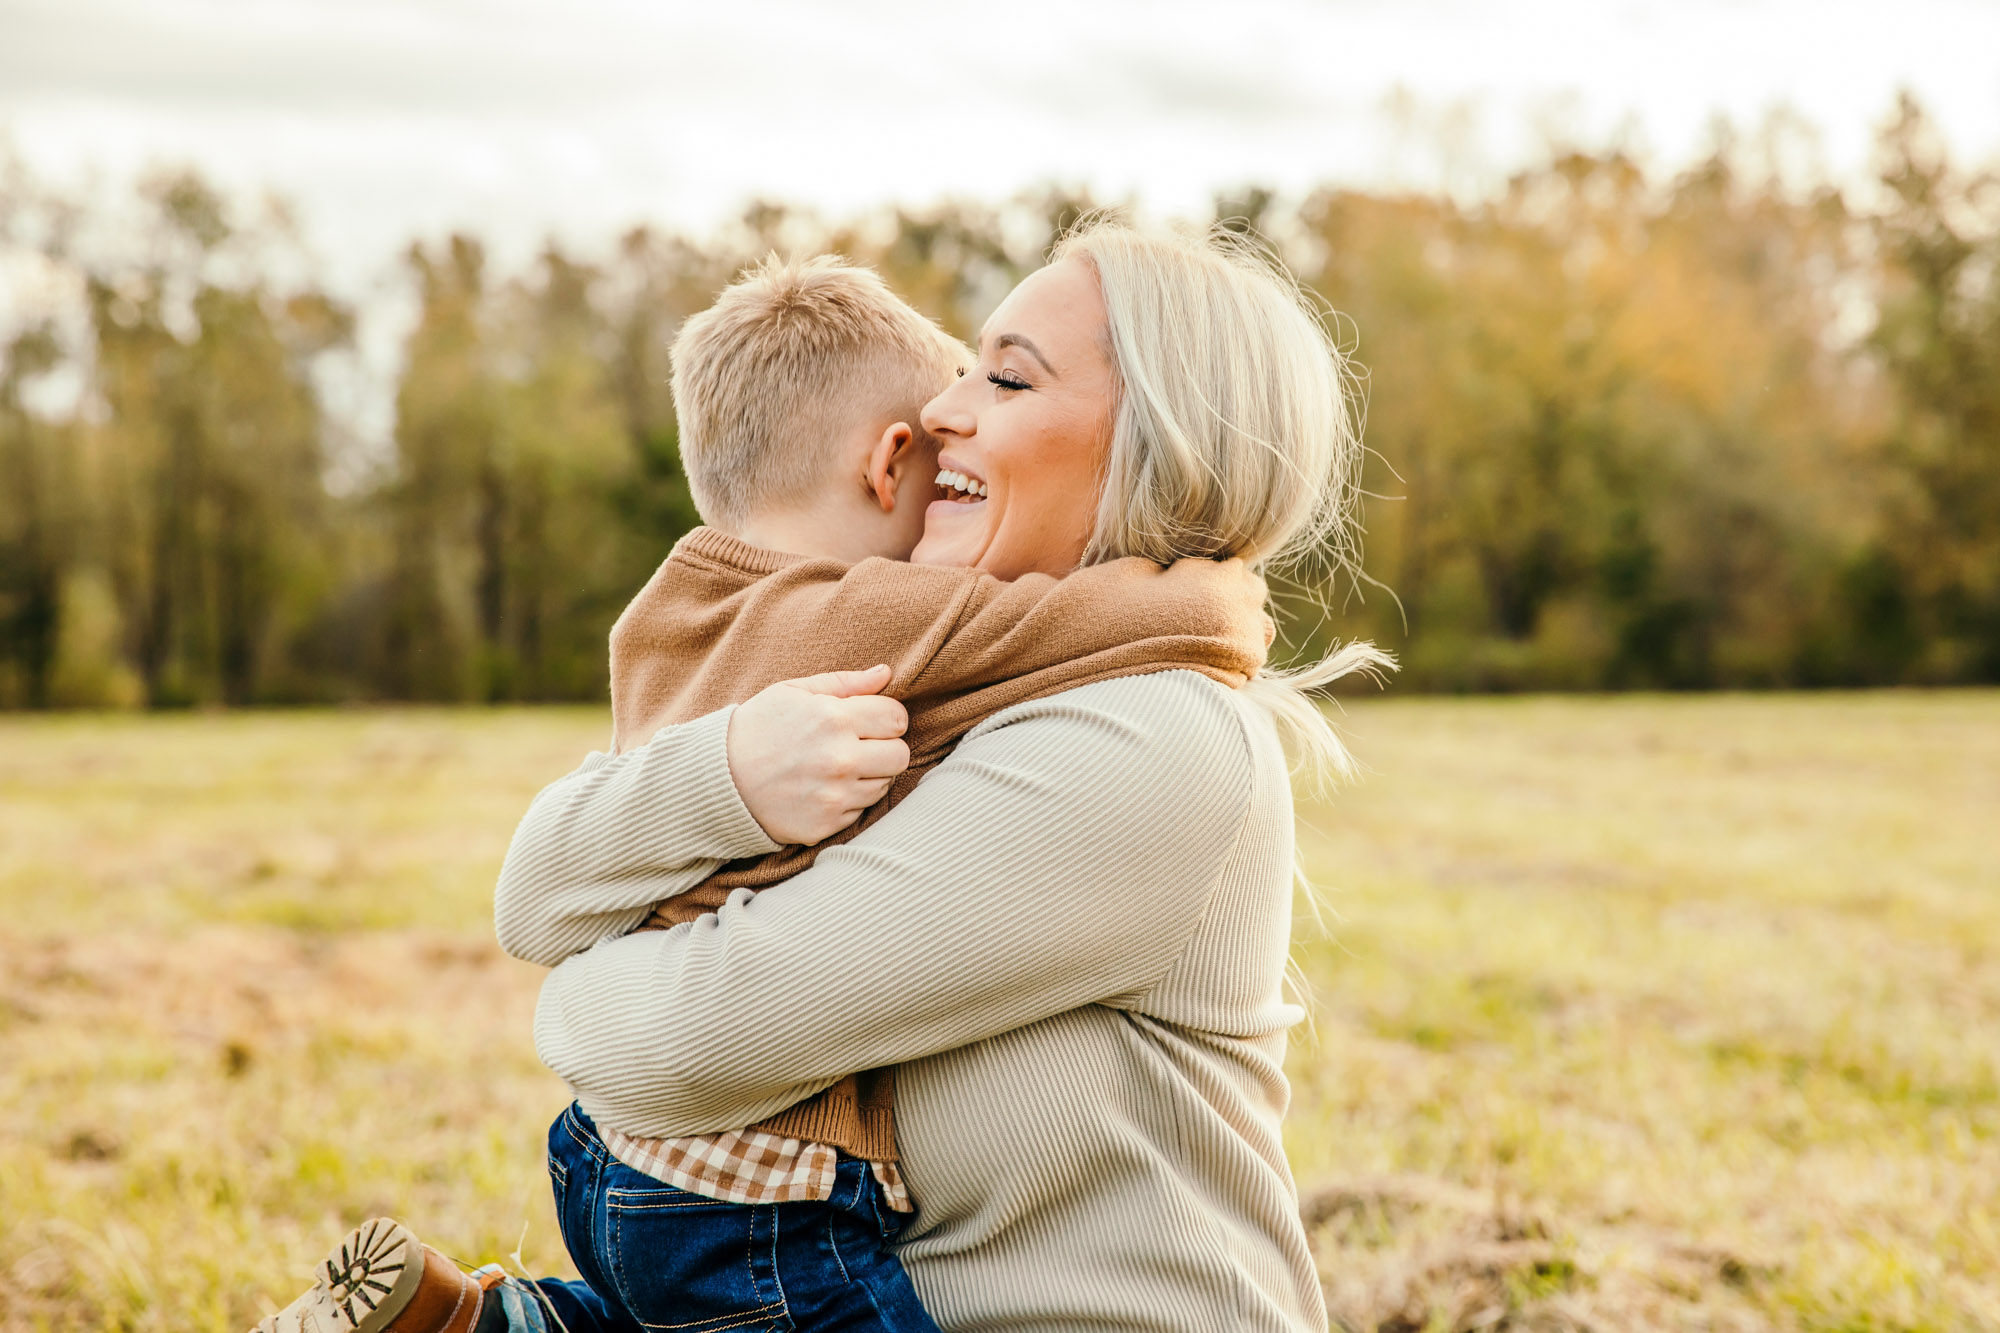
x=1654, y=966
x=334, y=333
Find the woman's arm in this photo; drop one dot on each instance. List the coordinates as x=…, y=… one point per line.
x=599, y=847
x=1061, y=856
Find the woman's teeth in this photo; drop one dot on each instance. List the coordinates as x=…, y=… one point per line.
x=964, y=485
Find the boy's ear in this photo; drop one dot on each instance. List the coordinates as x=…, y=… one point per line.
x=884, y=460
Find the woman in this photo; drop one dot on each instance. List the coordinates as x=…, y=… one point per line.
x=1070, y=939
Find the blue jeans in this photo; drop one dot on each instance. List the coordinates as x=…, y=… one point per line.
x=654, y=1257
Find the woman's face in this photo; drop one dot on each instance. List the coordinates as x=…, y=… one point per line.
x=1025, y=434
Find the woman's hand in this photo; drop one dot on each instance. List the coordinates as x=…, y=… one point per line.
x=808, y=756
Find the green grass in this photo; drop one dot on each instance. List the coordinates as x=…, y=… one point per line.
x=1703, y=995
x=1627, y=1013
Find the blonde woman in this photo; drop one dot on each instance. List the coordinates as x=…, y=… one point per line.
x=1070, y=939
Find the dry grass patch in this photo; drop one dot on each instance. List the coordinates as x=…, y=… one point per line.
x=1630, y=1014
x=1706, y=988
x=250, y=996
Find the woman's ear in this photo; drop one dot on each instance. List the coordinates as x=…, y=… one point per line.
x=886, y=463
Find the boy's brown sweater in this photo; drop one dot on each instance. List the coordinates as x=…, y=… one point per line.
x=721, y=620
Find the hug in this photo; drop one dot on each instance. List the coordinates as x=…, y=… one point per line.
x=917, y=947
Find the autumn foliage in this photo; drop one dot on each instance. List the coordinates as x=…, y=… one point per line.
x=1728, y=429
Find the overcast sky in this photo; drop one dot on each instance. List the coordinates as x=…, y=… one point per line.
x=382, y=120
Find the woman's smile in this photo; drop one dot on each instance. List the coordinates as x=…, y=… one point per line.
x=959, y=487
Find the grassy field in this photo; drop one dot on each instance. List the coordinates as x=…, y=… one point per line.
x=1627, y=1014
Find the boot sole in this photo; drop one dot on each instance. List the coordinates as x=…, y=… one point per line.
x=363, y=1284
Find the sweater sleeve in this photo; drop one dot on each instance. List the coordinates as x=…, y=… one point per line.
x=1061, y=856
x=600, y=846
x=1119, y=611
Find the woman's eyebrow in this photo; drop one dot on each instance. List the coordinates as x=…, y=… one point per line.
x=1018, y=340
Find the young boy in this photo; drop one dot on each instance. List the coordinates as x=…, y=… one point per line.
x=797, y=394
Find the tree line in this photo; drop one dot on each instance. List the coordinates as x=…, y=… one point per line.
x=1728, y=429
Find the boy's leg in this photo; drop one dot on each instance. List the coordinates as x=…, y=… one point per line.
x=839, y=1270
x=659, y=1256
x=577, y=1165
x=551, y=1305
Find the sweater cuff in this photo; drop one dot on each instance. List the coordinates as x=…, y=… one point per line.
x=691, y=762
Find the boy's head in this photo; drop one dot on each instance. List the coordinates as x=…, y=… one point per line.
x=798, y=395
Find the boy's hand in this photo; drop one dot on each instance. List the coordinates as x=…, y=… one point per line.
x=810, y=755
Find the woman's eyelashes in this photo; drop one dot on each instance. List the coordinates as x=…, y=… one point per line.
x=1006, y=379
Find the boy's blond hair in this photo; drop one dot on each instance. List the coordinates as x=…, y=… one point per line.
x=793, y=353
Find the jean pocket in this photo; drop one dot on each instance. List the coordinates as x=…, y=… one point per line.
x=692, y=1264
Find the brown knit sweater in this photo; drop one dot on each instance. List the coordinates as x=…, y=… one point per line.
x=721, y=620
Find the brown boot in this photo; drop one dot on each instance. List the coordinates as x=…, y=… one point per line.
x=380, y=1279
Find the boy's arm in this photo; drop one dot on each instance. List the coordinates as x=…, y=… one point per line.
x=599, y=847
x=1037, y=633
x=948, y=632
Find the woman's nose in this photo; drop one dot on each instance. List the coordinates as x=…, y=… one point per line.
x=949, y=413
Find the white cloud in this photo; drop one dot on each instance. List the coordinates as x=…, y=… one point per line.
x=384, y=120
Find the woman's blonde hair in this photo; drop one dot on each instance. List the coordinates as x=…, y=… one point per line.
x=1237, y=432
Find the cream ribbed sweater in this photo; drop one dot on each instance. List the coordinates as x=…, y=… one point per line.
x=1070, y=939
